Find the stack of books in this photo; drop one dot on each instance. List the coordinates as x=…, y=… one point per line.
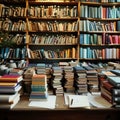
x=40, y=68
x=39, y=89
x=10, y=87
x=115, y=81
x=27, y=80
x=106, y=88
x=57, y=75
x=68, y=79
x=92, y=80
x=80, y=80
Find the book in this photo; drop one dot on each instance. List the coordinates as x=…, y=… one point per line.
x=7, y=98
x=11, y=78
x=116, y=92
x=10, y=106
x=76, y=101
x=114, y=80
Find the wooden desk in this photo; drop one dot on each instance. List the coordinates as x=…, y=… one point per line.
x=23, y=112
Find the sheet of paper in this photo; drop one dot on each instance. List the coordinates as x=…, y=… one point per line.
x=50, y=103
x=97, y=101
x=76, y=101
x=66, y=97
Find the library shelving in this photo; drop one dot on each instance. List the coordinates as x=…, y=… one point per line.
x=53, y=30
x=99, y=30
x=13, y=30
x=65, y=30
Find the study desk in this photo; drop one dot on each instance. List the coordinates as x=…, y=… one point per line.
x=24, y=112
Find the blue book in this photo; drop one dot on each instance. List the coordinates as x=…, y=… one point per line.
x=115, y=81
x=118, y=25
x=81, y=38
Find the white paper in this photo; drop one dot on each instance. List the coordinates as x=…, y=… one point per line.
x=99, y=102
x=49, y=103
x=76, y=101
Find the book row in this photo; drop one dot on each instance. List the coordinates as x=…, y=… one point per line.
x=8, y=25
x=99, y=12
x=52, y=39
x=87, y=25
x=105, y=53
x=13, y=0
x=53, y=26
x=12, y=11
x=109, y=1
x=41, y=11
x=52, y=11
x=41, y=54
x=13, y=53
x=99, y=39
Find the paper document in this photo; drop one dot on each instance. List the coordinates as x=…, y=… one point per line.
x=98, y=101
x=49, y=103
x=76, y=101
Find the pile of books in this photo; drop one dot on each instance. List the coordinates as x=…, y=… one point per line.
x=110, y=86
x=40, y=68
x=92, y=80
x=68, y=79
x=10, y=87
x=57, y=80
x=39, y=89
x=115, y=81
x=80, y=80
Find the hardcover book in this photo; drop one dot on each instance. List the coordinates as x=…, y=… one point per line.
x=115, y=81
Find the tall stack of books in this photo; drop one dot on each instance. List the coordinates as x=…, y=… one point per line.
x=115, y=81
x=39, y=89
x=57, y=75
x=106, y=88
x=68, y=79
x=27, y=80
x=48, y=71
x=80, y=80
x=92, y=80
x=40, y=68
x=10, y=87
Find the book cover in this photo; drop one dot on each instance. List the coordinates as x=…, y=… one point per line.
x=114, y=80
x=11, y=78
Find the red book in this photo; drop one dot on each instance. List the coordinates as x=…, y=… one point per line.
x=107, y=85
x=11, y=78
x=115, y=39
x=118, y=39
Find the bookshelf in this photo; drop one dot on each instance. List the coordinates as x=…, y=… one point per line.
x=99, y=30
x=50, y=31
x=13, y=24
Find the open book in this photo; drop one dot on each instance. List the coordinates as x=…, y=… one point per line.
x=76, y=101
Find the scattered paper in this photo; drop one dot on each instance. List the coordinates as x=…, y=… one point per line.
x=49, y=103
x=97, y=101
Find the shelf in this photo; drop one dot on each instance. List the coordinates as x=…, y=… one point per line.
x=100, y=3
x=54, y=18
x=53, y=3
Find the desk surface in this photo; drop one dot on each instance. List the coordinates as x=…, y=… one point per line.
x=24, y=112
x=60, y=105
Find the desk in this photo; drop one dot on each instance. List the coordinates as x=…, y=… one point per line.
x=23, y=112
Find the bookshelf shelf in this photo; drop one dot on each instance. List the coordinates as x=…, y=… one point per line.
x=99, y=24
x=52, y=19
x=60, y=25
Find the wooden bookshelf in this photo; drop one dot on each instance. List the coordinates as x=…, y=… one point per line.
x=45, y=24
x=95, y=17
